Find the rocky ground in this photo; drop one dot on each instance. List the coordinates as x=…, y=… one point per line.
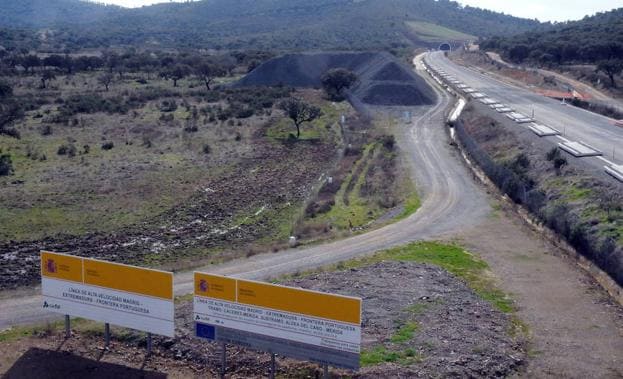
x=456, y=334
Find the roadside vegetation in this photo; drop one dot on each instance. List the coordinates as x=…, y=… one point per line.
x=585, y=210
x=595, y=41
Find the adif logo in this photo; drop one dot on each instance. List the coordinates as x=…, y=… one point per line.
x=52, y=306
x=203, y=285
x=50, y=266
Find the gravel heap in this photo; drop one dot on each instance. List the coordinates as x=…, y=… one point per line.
x=382, y=80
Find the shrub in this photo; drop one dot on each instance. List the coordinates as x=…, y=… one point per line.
x=389, y=142
x=69, y=150
x=191, y=128
x=320, y=207
x=46, y=130
x=6, y=165
x=206, y=149
x=92, y=103
x=168, y=106
x=244, y=113
x=553, y=154
x=107, y=146
x=167, y=117
x=559, y=162
x=10, y=132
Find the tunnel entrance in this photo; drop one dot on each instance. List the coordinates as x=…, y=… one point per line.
x=445, y=47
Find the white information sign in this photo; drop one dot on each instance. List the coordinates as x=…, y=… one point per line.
x=123, y=295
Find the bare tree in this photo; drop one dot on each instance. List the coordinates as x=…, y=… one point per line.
x=207, y=72
x=299, y=112
x=175, y=73
x=105, y=79
x=46, y=76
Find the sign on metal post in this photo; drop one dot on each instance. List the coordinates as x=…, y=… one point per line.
x=114, y=293
x=297, y=323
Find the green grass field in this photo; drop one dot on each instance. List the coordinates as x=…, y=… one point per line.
x=428, y=32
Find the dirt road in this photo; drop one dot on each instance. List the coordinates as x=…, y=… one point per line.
x=450, y=202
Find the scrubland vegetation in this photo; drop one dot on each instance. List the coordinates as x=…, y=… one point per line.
x=585, y=210
x=154, y=152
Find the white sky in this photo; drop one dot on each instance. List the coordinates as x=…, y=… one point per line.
x=547, y=10
x=544, y=10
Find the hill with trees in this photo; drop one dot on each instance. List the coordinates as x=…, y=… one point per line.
x=260, y=24
x=594, y=40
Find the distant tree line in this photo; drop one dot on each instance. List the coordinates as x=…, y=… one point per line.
x=167, y=65
x=595, y=40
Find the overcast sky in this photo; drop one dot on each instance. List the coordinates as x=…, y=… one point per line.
x=544, y=10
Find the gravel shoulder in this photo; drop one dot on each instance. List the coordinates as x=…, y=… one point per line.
x=576, y=329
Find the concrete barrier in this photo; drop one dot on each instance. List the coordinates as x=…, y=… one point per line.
x=615, y=171
x=579, y=149
x=519, y=118
x=504, y=110
x=543, y=130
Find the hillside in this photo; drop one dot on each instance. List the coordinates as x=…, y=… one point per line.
x=44, y=13
x=261, y=24
x=586, y=41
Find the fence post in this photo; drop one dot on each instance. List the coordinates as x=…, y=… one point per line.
x=223, y=360
x=272, y=366
x=149, y=343
x=67, y=327
x=107, y=334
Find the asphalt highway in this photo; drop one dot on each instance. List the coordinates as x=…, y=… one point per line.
x=575, y=124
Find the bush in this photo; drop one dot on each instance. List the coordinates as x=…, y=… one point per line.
x=320, y=207
x=69, y=150
x=190, y=128
x=206, y=149
x=92, y=103
x=10, y=132
x=168, y=106
x=389, y=142
x=553, y=154
x=167, y=117
x=244, y=113
x=107, y=146
x=6, y=165
x=559, y=162
x=46, y=130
